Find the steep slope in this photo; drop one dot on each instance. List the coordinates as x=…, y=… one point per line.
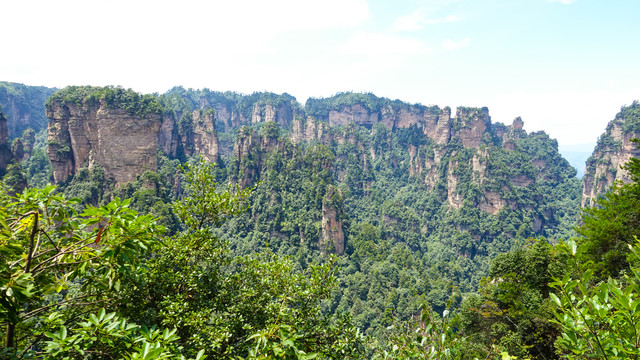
x=416, y=200
x=416, y=215
x=5, y=150
x=23, y=106
x=111, y=127
x=613, y=150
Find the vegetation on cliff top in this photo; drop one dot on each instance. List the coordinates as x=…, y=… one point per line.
x=320, y=107
x=114, y=97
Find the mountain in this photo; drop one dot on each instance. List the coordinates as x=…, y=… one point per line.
x=415, y=200
x=613, y=150
x=24, y=106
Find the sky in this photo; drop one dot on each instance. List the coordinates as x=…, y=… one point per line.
x=564, y=66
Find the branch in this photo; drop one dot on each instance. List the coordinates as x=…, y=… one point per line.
x=34, y=231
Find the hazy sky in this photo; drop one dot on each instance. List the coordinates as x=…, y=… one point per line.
x=565, y=66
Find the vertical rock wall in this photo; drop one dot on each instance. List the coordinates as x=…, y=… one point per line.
x=93, y=133
x=613, y=150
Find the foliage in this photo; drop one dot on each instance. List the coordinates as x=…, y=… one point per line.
x=610, y=226
x=252, y=306
x=320, y=108
x=513, y=309
x=114, y=97
x=105, y=335
x=432, y=337
x=56, y=259
x=600, y=319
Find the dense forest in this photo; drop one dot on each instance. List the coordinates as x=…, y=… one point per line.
x=350, y=227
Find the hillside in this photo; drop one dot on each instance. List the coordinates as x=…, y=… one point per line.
x=416, y=201
x=613, y=150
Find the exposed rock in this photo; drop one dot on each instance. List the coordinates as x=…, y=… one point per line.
x=5, y=150
x=17, y=149
x=246, y=157
x=492, y=203
x=23, y=106
x=356, y=114
x=613, y=150
x=310, y=130
x=453, y=196
x=201, y=137
x=442, y=129
x=332, y=232
x=470, y=124
x=521, y=180
x=96, y=133
x=168, y=138
x=28, y=141
x=517, y=123
x=265, y=112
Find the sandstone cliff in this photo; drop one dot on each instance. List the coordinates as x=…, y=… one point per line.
x=332, y=238
x=5, y=149
x=613, y=150
x=90, y=126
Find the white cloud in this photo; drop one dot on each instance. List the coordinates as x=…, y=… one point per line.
x=377, y=44
x=454, y=45
x=418, y=19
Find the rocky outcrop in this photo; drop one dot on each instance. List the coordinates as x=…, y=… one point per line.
x=332, y=237
x=247, y=158
x=5, y=149
x=199, y=137
x=97, y=133
x=310, y=130
x=266, y=112
x=613, y=150
x=470, y=124
x=441, y=133
x=356, y=114
x=243, y=110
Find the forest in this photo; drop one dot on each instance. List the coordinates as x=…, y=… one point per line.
x=313, y=238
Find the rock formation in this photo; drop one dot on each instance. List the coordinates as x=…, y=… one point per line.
x=613, y=150
x=91, y=132
x=332, y=237
x=5, y=149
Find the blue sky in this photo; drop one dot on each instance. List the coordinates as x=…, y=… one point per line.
x=565, y=66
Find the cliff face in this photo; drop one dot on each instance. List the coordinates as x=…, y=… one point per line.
x=97, y=133
x=247, y=158
x=470, y=125
x=23, y=106
x=5, y=149
x=235, y=110
x=332, y=237
x=613, y=150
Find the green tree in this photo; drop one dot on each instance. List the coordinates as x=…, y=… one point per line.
x=602, y=319
x=610, y=226
x=54, y=259
x=252, y=306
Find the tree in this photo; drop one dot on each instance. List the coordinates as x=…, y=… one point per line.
x=599, y=319
x=611, y=225
x=56, y=260
x=254, y=306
